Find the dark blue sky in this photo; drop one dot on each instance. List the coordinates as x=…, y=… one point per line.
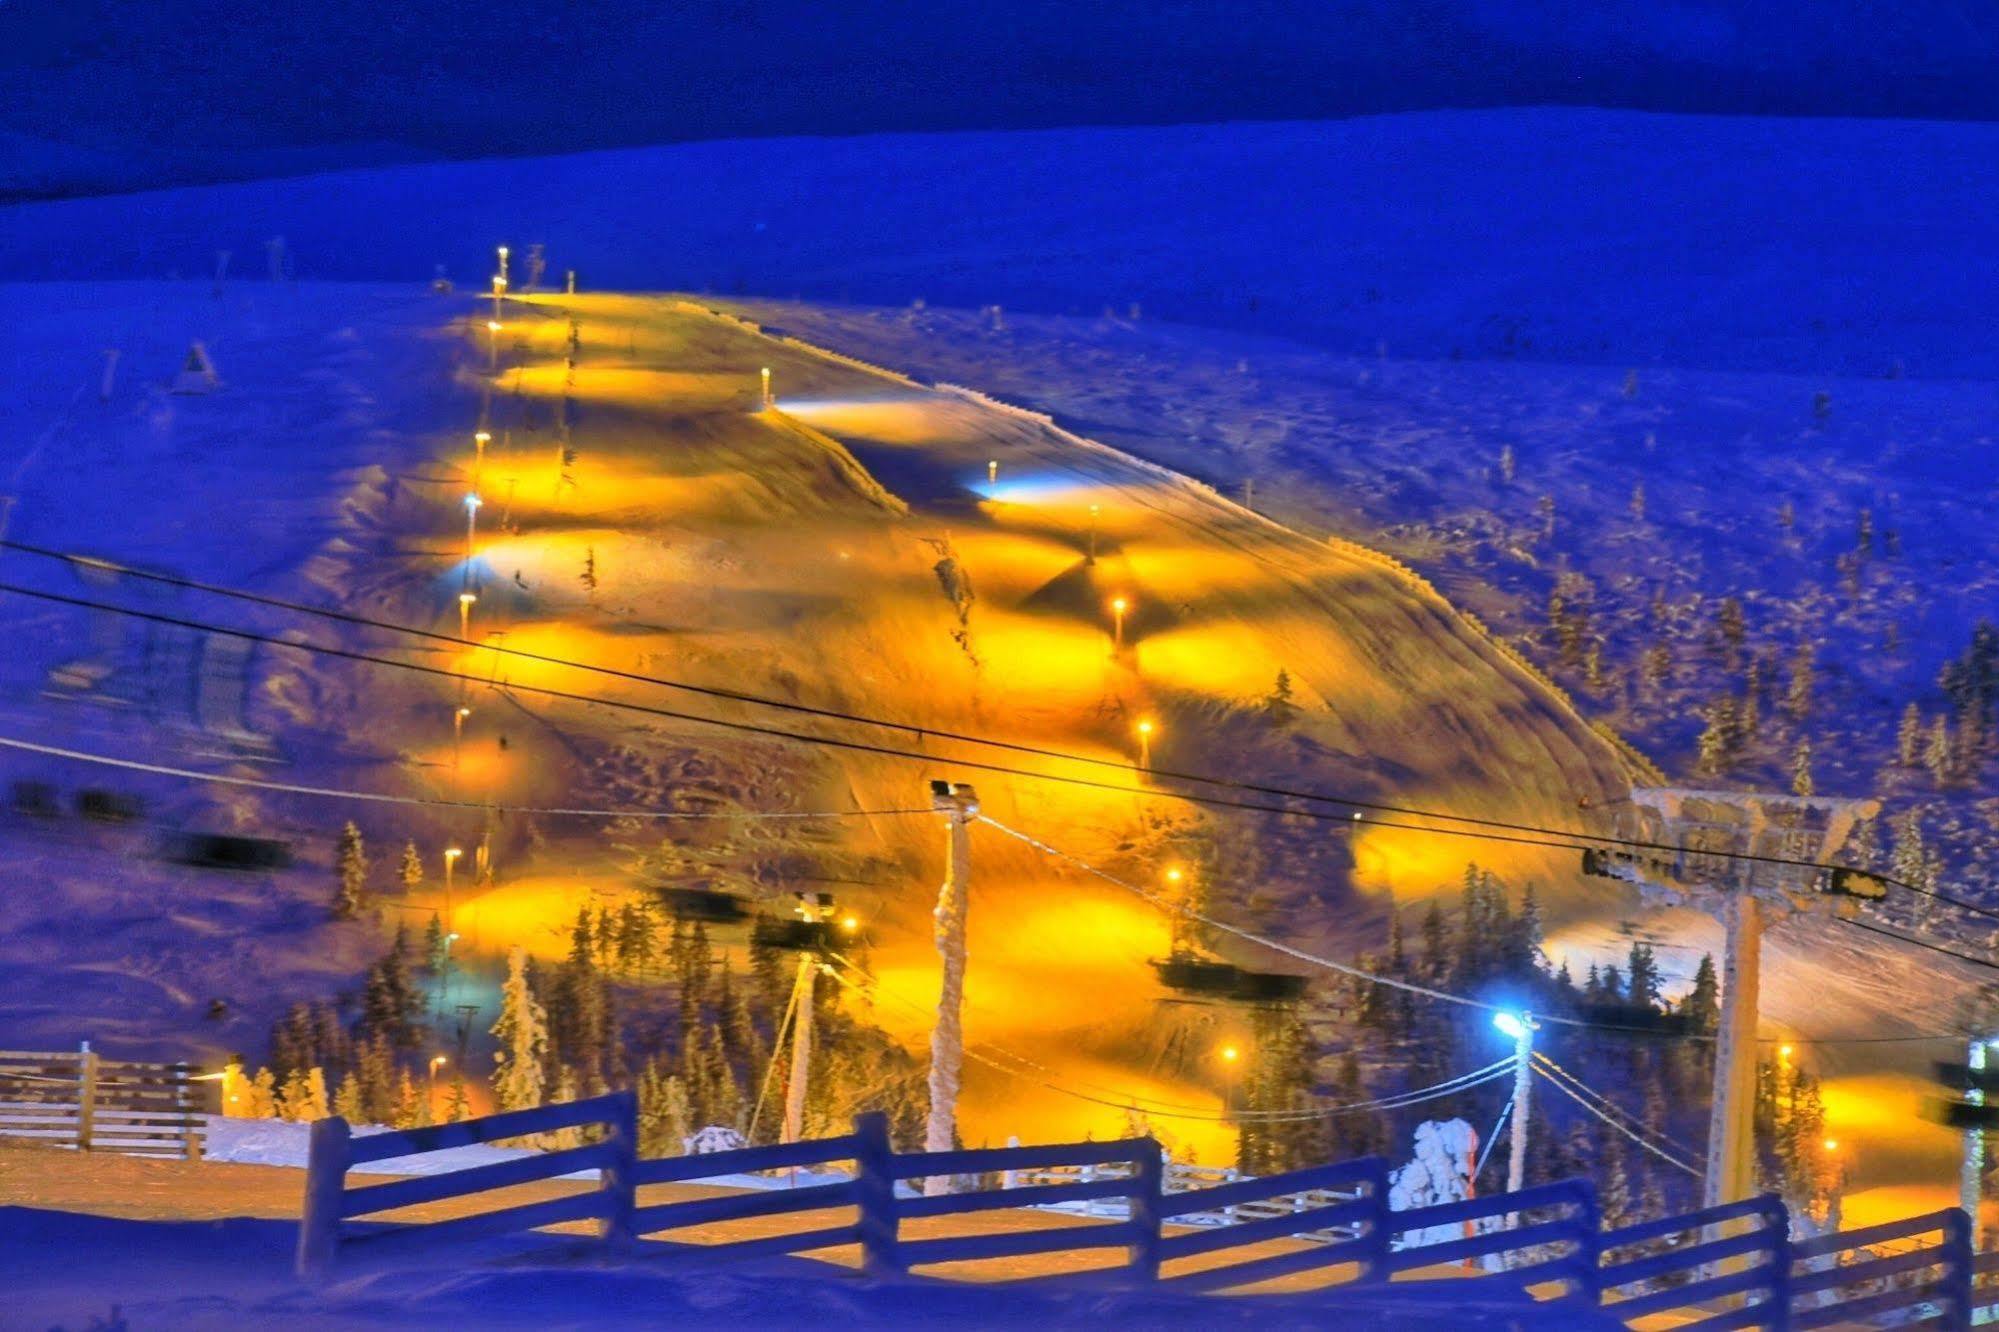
x=213, y=87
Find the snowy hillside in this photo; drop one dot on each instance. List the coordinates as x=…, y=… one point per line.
x=1816, y=246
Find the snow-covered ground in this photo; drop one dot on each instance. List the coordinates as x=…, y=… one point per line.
x=64, y=1270
x=740, y=550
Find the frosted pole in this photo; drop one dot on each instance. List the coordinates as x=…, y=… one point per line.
x=801, y=1049
x=1970, y=1185
x=1523, y=1086
x=947, y=1038
x=1731, y=1140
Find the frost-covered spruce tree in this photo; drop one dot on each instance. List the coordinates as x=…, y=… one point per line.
x=410, y=872
x=1801, y=769
x=351, y=867
x=519, y=1082
x=1909, y=737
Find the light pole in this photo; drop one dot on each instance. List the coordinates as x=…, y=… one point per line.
x=499, y=293
x=465, y=600
x=458, y=734
x=480, y=439
x=1145, y=729
x=992, y=471
x=436, y=1062
x=767, y=400
x=1093, y=534
x=1970, y=1187
x=472, y=503
x=1119, y=606
x=493, y=327
x=959, y=804
x=1521, y=1027
x=503, y=263
x=1230, y=1054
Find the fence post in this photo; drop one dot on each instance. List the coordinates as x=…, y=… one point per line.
x=1589, y=1246
x=1777, y=1218
x=1958, y=1274
x=325, y=1181
x=619, y=1179
x=1373, y=1256
x=874, y=1196
x=1148, y=1184
x=190, y=1112
x=86, y=1096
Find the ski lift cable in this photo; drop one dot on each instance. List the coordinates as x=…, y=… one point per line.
x=909, y=728
x=1287, y=950
x=388, y=798
x=1359, y=973
x=1987, y=963
x=1034, y=1071
x=1646, y=1143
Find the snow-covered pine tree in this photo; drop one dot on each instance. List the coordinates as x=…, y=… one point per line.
x=291, y=1095
x=522, y=1028
x=403, y=1108
x=1801, y=767
x=314, y=1104
x=1702, y=1004
x=1940, y=754
x=351, y=871
x=434, y=946
x=348, y=1103
x=410, y=872
x=260, y=1098
x=1798, y=698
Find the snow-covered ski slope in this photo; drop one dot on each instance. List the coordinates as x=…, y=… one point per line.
x=848, y=552
x=1576, y=235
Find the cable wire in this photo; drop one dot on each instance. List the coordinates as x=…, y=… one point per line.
x=1636, y=1124
x=1665, y=1156
x=922, y=731
x=1987, y=963
x=380, y=797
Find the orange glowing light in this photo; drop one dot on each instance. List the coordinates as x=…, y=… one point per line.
x=1120, y=605
x=1230, y=1053
x=1832, y=1144
x=850, y=924
x=1783, y=1052
x=1145, y=727
x=1173, y=875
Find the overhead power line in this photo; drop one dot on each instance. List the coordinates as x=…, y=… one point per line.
x=474, y=806
x=922, y=731
x=1646, y=1143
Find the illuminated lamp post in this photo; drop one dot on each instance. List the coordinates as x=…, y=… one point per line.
x=493, y=327
x=1146, y=726
x=458, y=733
x=992, y=471
x=768, y=401
x=479, y=442
x=1119, y=606
x=1521, y=1027
x=465, y=600
x=472, y=503
x=1229, y=1054
x=1093, y=534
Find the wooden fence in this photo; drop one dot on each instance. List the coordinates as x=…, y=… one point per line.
x=82, y=1100
x=1723, y=1268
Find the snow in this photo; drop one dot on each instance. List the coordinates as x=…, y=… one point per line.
x=62, y=1269
x=1558, y=235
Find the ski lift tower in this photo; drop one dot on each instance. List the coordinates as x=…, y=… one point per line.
x=1741, y=856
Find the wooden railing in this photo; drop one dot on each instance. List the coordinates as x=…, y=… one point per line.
x=1920, y=1269
x=79, y=1099
x=330, y=1206
x=1683, y=1264
x=1727, y=1267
